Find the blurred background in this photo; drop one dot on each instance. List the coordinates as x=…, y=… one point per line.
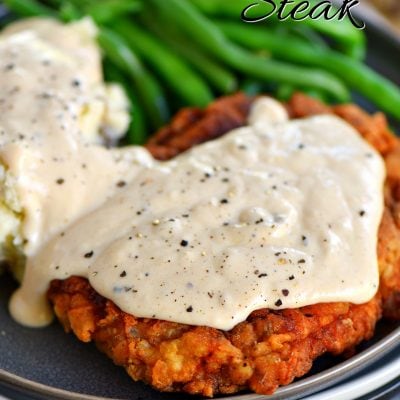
x=390, y=9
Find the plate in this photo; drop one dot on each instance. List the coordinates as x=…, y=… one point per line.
x=48, y=364
x=368, y=383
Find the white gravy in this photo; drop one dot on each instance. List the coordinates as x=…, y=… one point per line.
x=276, y=214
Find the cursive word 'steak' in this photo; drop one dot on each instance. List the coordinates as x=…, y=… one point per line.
x=301, y=10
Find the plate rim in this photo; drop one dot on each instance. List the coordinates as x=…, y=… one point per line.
x=368, y=383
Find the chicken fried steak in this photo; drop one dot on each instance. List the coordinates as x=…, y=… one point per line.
x=270, y=348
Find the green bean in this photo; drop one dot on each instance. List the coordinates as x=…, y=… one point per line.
x=69, y=12
x=137, y=133
x=29, y=8
x=183, y=81
x=251, y=87
x=285, y=92
x=317, y=94
x=219, y=77
x=148, y=89
x=307, y=34
x=52, y=3
x=81, y=4
x=350, y=39
x=106, y=13
x=209, y=37
x=109, y=10
x=223, y=8
x=360, y=77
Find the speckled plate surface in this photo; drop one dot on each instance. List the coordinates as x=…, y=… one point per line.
x=48, y=364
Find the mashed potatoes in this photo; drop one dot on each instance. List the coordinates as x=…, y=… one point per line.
x=56, y=115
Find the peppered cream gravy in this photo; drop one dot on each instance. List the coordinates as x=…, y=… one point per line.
x=278, y=214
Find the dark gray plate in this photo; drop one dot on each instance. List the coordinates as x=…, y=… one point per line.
x=48, y=364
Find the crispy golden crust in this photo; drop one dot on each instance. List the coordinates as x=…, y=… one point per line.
x=192, y=126
x=270, y=348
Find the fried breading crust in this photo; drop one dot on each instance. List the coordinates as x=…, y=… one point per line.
x=270, y=348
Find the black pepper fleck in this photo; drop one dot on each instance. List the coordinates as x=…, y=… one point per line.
x=60, y=181
x=89, y=254
x=278, y=303
x=121, y=184
x=189, y=309
x=184, y=243
x=285, y=292
x=122, y=274
x=76, y=83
